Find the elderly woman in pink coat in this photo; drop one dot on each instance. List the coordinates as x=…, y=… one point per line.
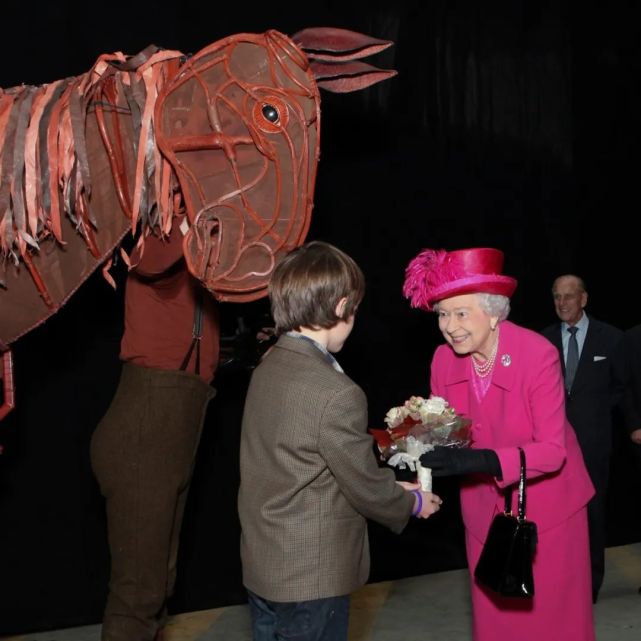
x=507, y=379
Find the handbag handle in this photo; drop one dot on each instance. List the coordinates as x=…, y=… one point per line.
x=522, y=493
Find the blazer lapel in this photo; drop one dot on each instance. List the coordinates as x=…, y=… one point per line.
x=459, y=372
x=456, y=382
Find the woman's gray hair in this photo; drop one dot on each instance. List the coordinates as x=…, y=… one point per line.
x=495, y=305
x=491, y=304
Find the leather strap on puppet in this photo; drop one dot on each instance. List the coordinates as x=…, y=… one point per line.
x=197, y=334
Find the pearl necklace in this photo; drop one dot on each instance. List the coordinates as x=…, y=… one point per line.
x=485, y=369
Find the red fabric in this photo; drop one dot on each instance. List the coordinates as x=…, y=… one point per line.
x=382, y=438
x=160, y=300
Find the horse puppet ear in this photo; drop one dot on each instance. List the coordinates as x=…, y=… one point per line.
x=334, y=58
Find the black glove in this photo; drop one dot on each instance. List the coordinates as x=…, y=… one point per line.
x=450, y=461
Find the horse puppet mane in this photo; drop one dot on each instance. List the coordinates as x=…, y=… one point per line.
x=44, y=165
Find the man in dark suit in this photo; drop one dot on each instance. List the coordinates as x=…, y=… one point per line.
x=591, y=356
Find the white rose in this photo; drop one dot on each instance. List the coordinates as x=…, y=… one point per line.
x=425, y=415
x=395, y=416
x=435, y=405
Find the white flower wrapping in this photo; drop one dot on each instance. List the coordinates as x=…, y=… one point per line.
x=410, y=458
x=417, y=427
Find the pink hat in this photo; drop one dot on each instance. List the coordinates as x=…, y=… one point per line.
x=436, y=274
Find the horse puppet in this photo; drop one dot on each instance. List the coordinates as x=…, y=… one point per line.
x=230, y=136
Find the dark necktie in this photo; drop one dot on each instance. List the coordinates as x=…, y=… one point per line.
x=572, y=360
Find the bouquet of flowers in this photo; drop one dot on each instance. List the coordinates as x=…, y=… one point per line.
x=417, y=427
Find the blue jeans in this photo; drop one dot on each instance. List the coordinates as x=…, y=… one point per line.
x=317, y=620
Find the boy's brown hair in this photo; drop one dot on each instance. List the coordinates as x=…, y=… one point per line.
x=308, y=284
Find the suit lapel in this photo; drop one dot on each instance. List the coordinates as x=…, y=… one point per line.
x=556, y=340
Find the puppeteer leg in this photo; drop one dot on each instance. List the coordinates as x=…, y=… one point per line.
x=142, y=455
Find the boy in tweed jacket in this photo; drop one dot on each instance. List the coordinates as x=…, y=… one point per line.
x=309, y=479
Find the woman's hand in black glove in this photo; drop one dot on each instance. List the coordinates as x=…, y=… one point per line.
x=450, y=461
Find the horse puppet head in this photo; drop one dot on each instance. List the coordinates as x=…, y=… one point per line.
x=240, y=125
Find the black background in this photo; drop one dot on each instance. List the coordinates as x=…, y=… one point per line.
x=511, y=124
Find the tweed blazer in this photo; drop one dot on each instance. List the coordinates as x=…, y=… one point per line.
x=309, y=479
x=523, y=407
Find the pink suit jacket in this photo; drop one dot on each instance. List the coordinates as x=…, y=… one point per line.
x=524, y=406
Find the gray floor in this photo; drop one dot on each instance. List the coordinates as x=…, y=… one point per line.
x=434, y=607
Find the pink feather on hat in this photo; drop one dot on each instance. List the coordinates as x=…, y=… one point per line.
x=425, y=273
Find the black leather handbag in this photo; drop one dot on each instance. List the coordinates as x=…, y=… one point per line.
x=505, y=565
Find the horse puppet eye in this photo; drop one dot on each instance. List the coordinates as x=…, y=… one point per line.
x=270, y=114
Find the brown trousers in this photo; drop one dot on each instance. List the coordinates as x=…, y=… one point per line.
x=142, y=454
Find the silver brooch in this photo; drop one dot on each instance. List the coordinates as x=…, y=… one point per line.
x=506, y=360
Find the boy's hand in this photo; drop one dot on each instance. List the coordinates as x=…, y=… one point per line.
x=431, y=504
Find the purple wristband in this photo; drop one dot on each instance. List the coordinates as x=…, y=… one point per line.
x=419, y=507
